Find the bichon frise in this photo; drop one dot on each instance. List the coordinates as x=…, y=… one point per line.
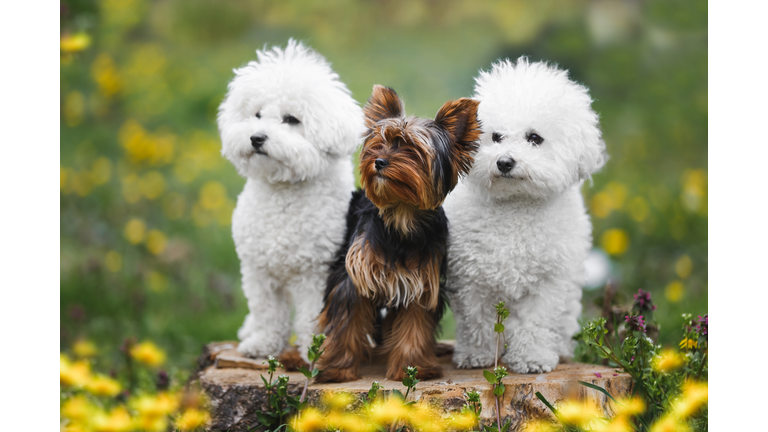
x=289, y=126
x=519, y=231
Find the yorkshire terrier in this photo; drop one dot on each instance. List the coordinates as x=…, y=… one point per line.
x=393, y=257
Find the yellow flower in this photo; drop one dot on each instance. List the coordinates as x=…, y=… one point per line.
x=84, y=348
x=101, y=171
x=77, y=408
x=388, y=412
x=615, y=241
x=156, y=281
x=74, y=108
x=683, y=267
x=539, y=425
x=674, y=291
x=212, y=195
x=73, y=374
x=310, y=420
x=156, y=241
x=135, y=231
x=348, y=421
x=618, y=424
x=74, y=43
x=150, y=424
x=113, y=261
x=574, y=413
x=462, y=421
x=688, y=344
x=192, y=419
x=695, y=396
x=131, y=188
x=669, y=424
x=174, y=206
x=152, y=406
x=667, y=361
x=118, y=420
x=601, y=205
x=104, y=72
x=148, y=353
x=101, y=385
x=152, y=184
x=631, y=406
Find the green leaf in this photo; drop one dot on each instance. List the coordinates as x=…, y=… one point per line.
x=398, y=394
x=408, y=382
x=380, y=428
x=598, y=388
x=498, y=328
x=315, y=372
x=489, y=376
x=490, y=429
x=266, y=384
x=409, y=403
x=304, y=371
x=401, y=428
x=499, y=390
x=506, y=426
x=546, y=402
x=264, y=420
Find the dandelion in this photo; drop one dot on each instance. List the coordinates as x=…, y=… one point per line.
x=192, y=419
x=118, y=420
x=148, y=353
x=135, y=230
x=156, y=241
x=683, y=267
x=574, y=413
x=688, y=344
x=152, y=185
x=101, y=171
x=695, y=396
x=101, y=385
x=667, y=361
x=104, y=72
x=113, y=261
x=389, y=411
x=150, y=424
x=540, y=426
x=155, y=405
x=77, y=408
x=212, y=195
x=84, y=348
x=73, y=374
x=156, y=281
x=631, y=406
x=74, y=43
x=310, y=420
x=601, y=205
x=669, y=424
x=674, y=291
x=615, y=241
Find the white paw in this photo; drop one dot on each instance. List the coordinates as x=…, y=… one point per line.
x=538, y=362
x=257, y=347
x=248, y=328
x=468, y=360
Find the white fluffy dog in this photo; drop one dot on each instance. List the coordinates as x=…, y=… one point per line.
x=290, y=127
x=519, y=232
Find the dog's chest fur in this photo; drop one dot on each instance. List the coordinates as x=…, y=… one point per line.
x=514, y=246
x=286, y=230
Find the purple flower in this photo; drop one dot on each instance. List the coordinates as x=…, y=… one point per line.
x=643, y=302
x=634, y=323
x=597, y=374
x=702, y=325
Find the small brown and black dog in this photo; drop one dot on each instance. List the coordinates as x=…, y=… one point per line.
x=395, y=245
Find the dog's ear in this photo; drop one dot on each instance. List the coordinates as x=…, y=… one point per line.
x=459, y=119
x=593, y=156
x=383, y=103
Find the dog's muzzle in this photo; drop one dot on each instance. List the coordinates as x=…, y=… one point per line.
x=257, y=141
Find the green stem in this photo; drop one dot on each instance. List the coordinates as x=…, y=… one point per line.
x=701, y=366
x=306, y=383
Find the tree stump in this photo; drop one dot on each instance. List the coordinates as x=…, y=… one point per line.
x=236, y=391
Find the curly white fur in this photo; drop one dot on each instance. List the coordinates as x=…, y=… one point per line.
x=290, y=217
x=522, y=238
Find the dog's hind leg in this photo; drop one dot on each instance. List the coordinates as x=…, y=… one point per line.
x=347, y=319
x=411, y=342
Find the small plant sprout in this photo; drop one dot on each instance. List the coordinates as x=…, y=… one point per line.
x=277, y=391
x=313, y=353
x=499, y=372
x=473, y=406
x=374, y=391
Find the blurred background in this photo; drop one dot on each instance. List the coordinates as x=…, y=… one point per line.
x=146, y=198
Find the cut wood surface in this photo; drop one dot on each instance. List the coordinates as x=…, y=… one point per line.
x=236, y=391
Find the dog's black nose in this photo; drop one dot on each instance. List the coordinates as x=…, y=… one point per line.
x=505, y=164
x=381, y=163
x=258, y=140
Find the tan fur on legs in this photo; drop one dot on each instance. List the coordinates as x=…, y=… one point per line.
x=291, y=359
x=411, y=342
x=347, y=341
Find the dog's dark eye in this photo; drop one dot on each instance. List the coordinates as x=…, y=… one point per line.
x=258, y=114
x=534, y=138
x=291, y=120
x=497, y=137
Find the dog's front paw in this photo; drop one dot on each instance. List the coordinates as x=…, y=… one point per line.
x=470, y=360
x=338, y=375
x=257, y=347
x=532, y=362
